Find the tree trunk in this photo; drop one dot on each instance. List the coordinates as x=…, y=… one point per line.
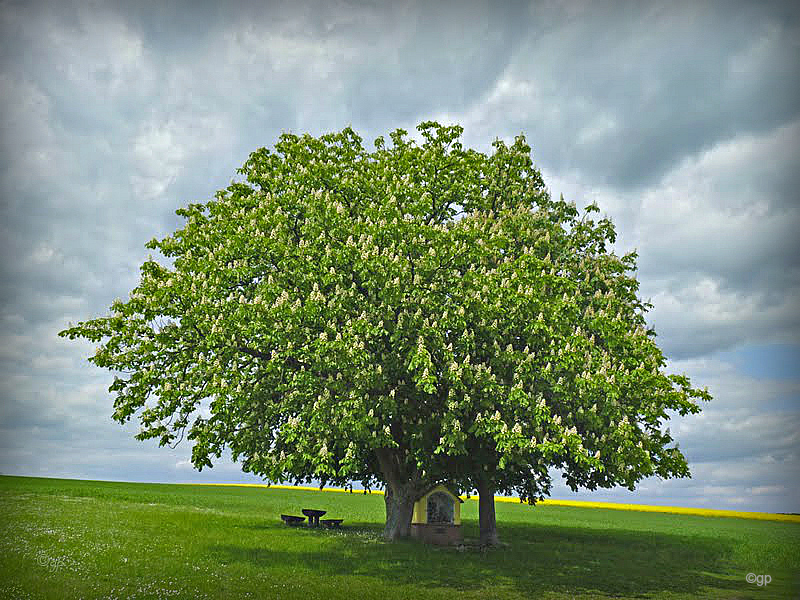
x=399, y=510
x=486, y=516
x=399, y=496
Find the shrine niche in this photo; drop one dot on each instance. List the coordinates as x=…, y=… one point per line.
x=437, y=517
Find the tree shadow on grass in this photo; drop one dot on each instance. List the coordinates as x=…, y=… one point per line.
x=538, y=559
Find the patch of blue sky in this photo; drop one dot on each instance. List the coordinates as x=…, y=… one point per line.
x=765, y=361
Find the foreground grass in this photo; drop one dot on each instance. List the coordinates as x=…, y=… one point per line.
x=88, y=539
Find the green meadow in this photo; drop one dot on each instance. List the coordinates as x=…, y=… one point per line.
x=89, y=539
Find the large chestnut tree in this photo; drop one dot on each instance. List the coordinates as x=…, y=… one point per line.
x=399, y=317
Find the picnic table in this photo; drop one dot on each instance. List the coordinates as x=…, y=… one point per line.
x=313, y=516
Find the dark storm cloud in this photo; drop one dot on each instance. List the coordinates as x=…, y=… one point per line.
x=623, y=92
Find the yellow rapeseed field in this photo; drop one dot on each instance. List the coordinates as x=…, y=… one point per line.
x=681, y=510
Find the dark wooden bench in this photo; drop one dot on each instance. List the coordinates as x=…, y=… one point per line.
x=332, y=523
x=292, y=519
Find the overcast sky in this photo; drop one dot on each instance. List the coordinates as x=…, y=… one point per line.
x=681, y=120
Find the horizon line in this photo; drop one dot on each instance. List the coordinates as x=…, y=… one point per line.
x=683, y=510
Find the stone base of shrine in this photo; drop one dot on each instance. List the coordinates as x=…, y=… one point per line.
x=442, y=534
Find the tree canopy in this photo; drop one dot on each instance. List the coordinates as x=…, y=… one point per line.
x=414, y=314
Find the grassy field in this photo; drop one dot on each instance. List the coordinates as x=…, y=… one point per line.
x=88, y=539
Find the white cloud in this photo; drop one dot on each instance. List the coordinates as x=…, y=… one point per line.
x=718, y=244
x=43, y=254
x=717, y=241
x=26, y=133
x=696, y=315
x=99, y=52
